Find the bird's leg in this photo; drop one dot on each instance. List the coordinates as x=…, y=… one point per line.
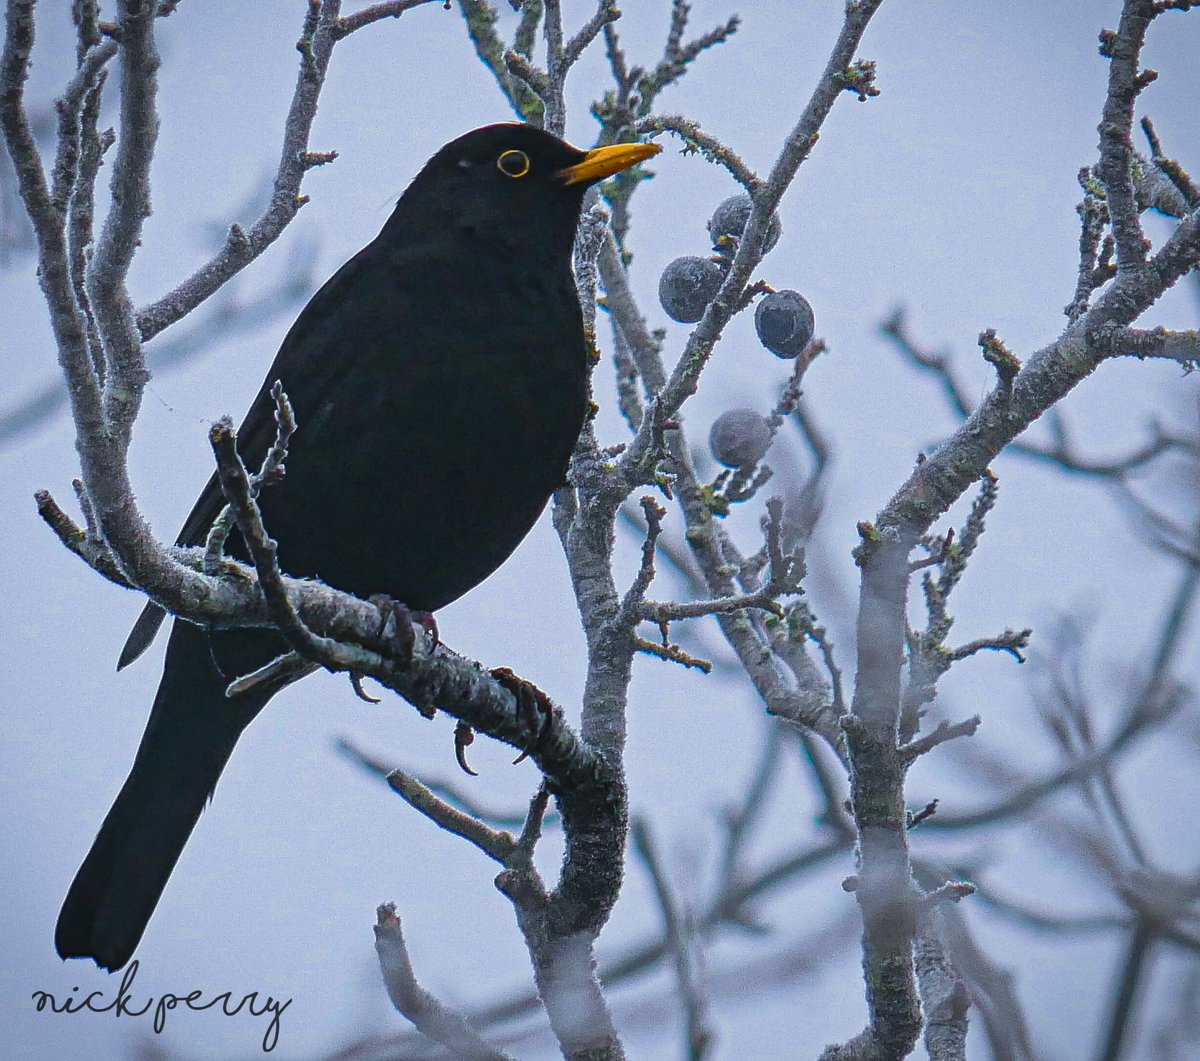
x=533, y=706
x=396, y=632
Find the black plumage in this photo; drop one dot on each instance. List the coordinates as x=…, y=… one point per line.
x=439, y=381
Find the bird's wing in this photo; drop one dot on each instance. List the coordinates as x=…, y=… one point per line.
x=257, y=433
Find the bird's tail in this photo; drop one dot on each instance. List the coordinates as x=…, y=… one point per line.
x=192, y=729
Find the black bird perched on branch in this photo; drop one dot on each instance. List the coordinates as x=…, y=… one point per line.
x=439, y=381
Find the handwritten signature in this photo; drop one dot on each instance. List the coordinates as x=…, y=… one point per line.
x=193, y=1000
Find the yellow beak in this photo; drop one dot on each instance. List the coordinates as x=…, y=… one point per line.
x=603, y=162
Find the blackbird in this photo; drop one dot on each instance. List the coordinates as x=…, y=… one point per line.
x=439, y=381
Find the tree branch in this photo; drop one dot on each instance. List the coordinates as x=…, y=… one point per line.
x=432, y=1018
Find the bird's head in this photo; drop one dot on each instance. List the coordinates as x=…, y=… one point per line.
x=513, y=180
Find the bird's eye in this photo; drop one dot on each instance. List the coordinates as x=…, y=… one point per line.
x=513, y=163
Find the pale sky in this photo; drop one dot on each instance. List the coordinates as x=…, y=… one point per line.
x=952, y=193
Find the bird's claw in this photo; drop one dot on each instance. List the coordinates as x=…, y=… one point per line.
x=464, y=735
x=533, y=707
x=356, y=680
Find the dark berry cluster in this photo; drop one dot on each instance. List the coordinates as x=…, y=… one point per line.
x=690, y=283
x=783, y=319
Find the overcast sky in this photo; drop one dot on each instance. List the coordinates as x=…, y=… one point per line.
x=952, y=193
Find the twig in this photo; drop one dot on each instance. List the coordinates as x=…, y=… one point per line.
x=494, y=843
x=1125, y=82
x=606, y=12
x=668, y=611
x=1171, y=169
x=1136, y=723
x=1181, y=346
x=447, y=791
x=945, y=731
x=633, y=604
x=125, y=372
x=682, y=946
x=433, y=1018
x=697, y=140
x=270, y=473
x=1093, y=215
x=281, y=671
x=1135, y=968
x=243, y=246
x=945, y=997
x=347, y=24
x=993, y=992
x=672, y=653
x=238, y=489
x=948, y=892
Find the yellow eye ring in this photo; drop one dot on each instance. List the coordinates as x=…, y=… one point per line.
x=513, y=164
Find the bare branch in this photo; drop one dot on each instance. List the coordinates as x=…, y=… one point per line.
x=269, y=474
x=683, y=947
x=945, y=997
x=1125, y=83
x=433, y=1018
x=522, y=96
x=1027, y=796
x=945, y=731
x=697, y=140
x=347, y=24
x=606, y=12
x=1181, y=346
x=125, y=372
x=322, y=30
x=494, y=843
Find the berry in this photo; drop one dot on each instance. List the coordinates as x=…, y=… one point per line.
x=687, y=286
x=784, y=322
x=739, y=438
x=729, y=219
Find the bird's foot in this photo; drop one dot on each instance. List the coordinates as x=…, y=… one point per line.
x=533, y=707
x=396, y=626
x=396, y=635
x=428, y=623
